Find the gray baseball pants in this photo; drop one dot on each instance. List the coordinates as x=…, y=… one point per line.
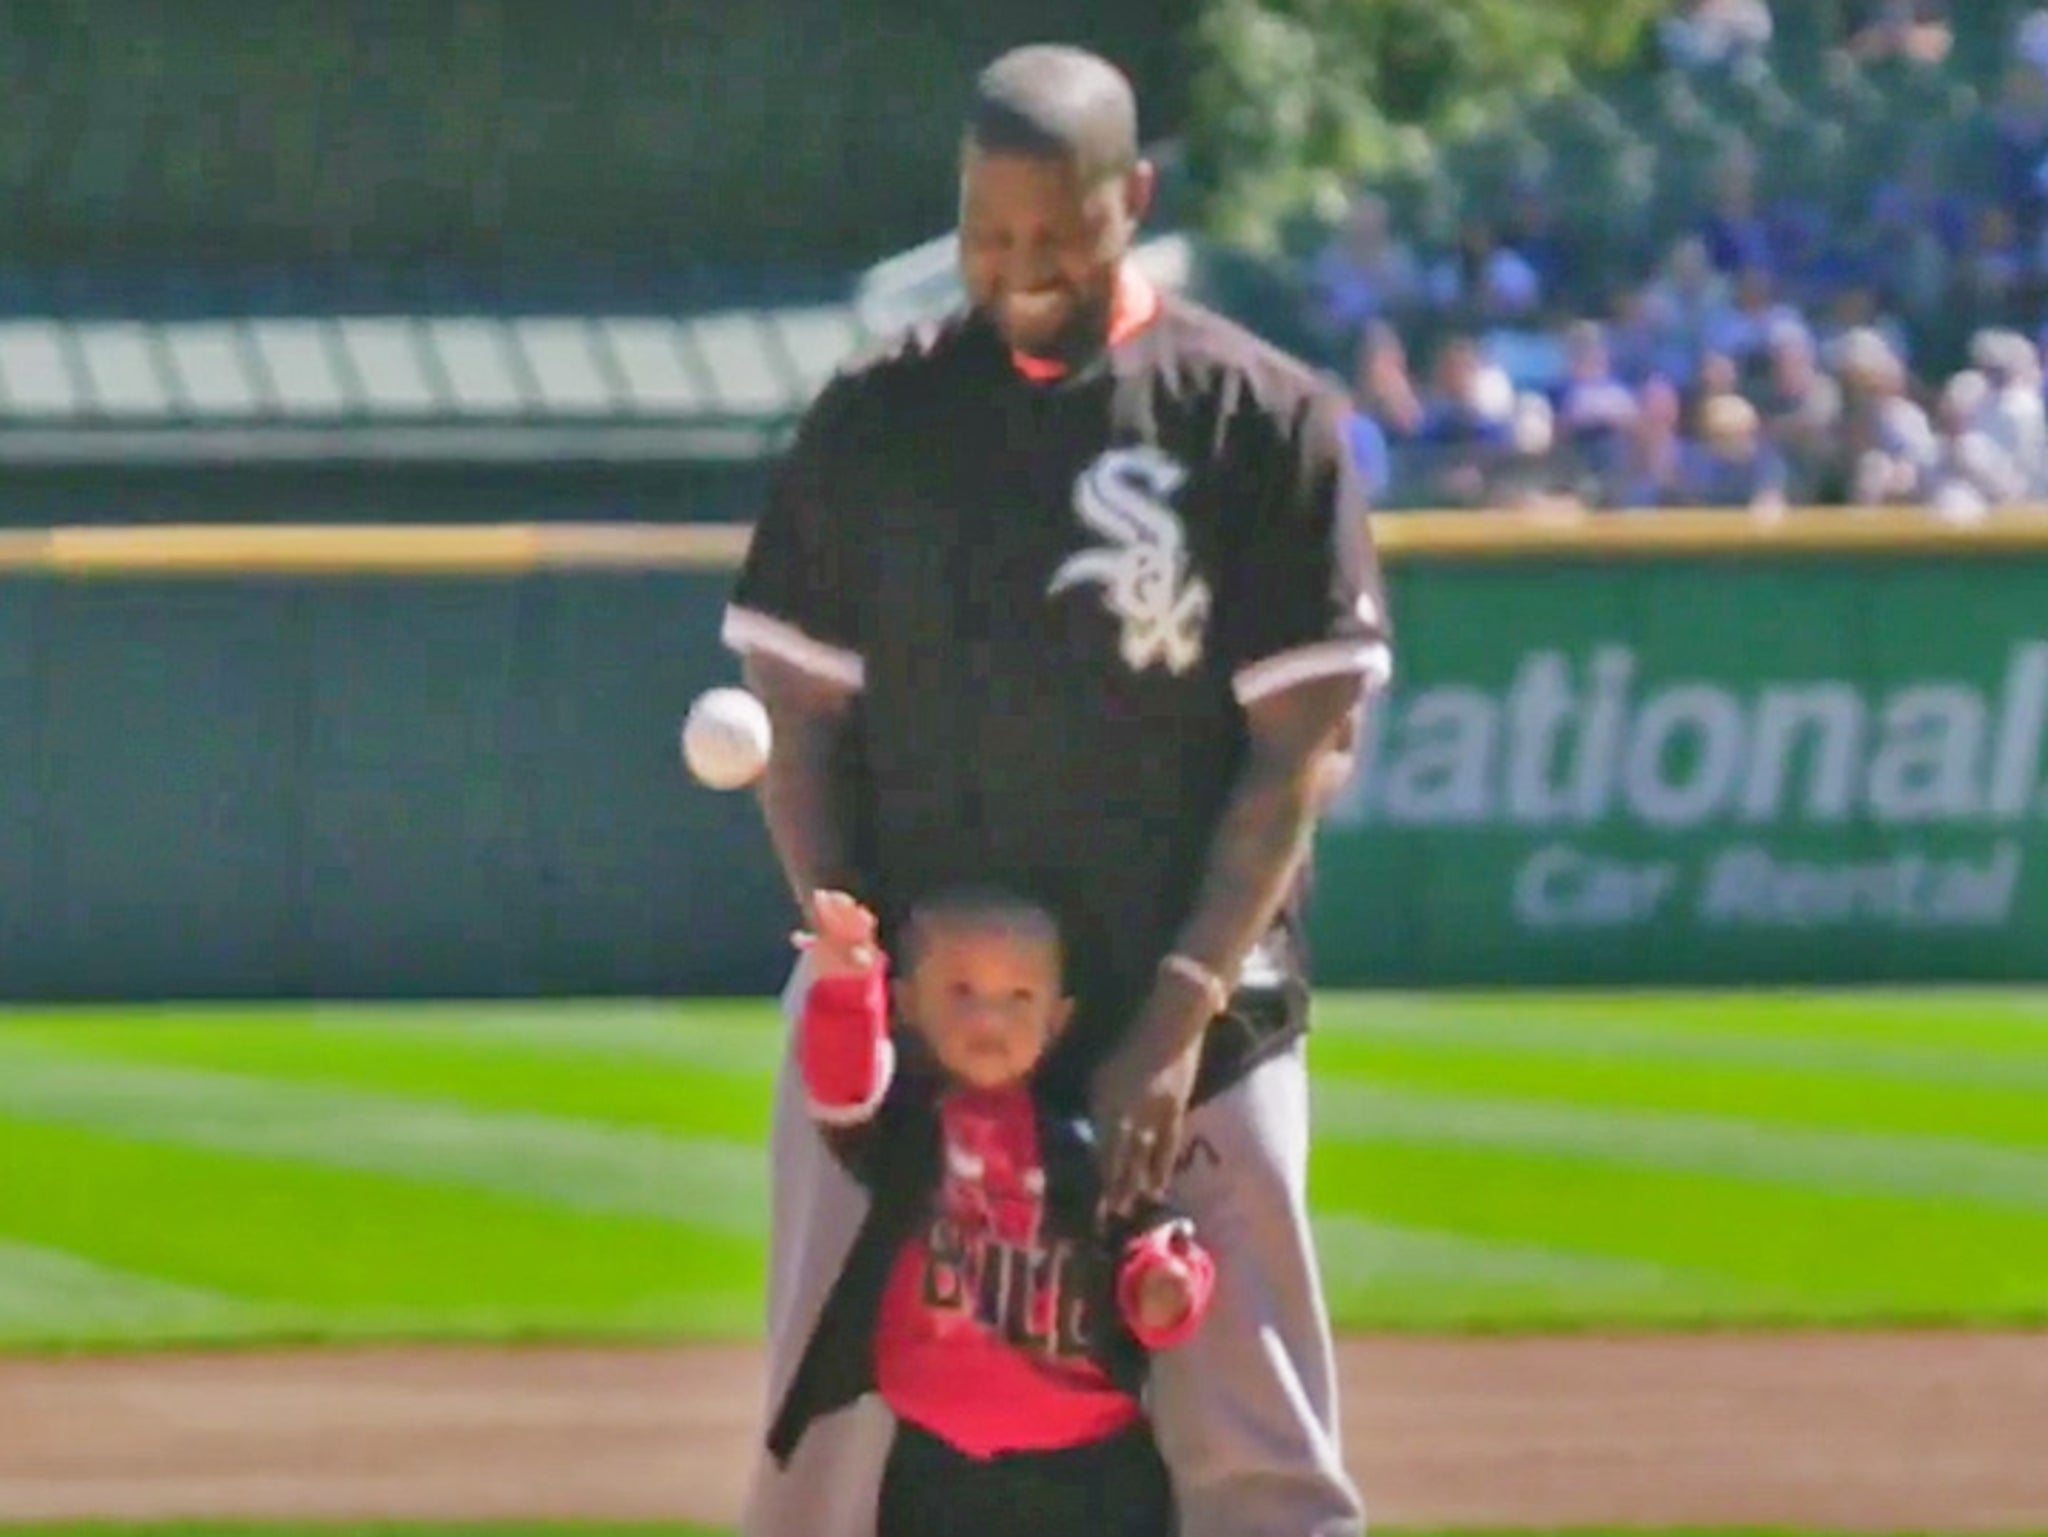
x=1246, y=1412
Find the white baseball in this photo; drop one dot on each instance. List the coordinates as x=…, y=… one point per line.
x=726, y=738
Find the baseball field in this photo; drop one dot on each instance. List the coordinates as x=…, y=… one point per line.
x=1619, y=1260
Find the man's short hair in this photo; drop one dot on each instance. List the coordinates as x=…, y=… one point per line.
x=1051, y=101
x=979, y=908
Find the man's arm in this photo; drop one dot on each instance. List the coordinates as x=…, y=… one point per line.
x=810, y=716
x=1301, y=745
x=1304, y=626
x=798, y=620
x=1302, y=741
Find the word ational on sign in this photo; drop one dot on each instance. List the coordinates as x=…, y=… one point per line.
x=1775, y=803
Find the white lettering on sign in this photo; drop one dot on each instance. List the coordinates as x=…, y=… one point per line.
x=1561, y=887
x=1567, y=745
x=1750, y=886
x=1575, y=748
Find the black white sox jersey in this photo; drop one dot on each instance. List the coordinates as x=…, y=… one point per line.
x=1056, y=601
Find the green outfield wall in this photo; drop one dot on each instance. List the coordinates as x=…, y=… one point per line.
x=1698, y=771
x=352, y=761
x=307, y=786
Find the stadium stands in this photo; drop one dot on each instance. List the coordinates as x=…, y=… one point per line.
x=1860, y=191
x=1715, y=208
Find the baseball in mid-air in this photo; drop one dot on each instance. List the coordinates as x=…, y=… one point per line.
x=726, y=738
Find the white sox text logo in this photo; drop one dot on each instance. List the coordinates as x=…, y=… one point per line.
x=1125, y=496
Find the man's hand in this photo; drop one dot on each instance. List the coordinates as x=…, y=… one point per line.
x=1301, y=739
x=1141, y=1096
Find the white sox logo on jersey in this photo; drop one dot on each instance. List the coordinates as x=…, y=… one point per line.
x=1125, y=496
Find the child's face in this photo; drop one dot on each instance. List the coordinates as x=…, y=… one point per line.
x=988, y=1002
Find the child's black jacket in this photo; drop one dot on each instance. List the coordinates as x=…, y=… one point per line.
x=899, y=1156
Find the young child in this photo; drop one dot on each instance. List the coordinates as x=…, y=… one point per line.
x=1004, y=1327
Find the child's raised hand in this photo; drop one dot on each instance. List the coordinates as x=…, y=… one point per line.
x=841, y=940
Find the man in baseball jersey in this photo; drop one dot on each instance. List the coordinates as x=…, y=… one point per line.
x=1073, y=593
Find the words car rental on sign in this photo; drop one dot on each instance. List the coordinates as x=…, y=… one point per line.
x=1791, y=802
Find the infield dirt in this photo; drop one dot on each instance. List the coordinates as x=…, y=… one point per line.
x=1851, y=1431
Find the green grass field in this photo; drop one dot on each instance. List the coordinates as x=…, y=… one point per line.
x=1511, y=1161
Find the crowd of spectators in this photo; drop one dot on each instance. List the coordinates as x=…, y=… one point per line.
x=1876, y=343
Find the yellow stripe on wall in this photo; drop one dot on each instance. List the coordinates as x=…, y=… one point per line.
x=430, y=550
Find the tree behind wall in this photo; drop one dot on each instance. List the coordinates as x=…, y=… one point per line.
x=639, y=134
x=1293, y=100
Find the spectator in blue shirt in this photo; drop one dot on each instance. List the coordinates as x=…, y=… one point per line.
x=1370, y=457
x=1733, y=464
x=1735, y=235
x=1365, y=272
x=1464, y=426
x=1595, y=408
x=1653, y=462
x=1459, y=411
x=1532, y=233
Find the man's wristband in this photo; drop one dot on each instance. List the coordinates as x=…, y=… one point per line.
x=1213, y=987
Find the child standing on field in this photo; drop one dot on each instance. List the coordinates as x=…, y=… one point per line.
x=1005, y=1326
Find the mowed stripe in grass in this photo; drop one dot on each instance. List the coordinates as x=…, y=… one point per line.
x=49, y=1289
x=2009, y=1022
x=319, y=1210
x=1749, y=1252
x=708, y=1182
x=695, y=1069
x=1383, y=1274
x=1645, y=1129
x=1927, y=1087
x=350, y=1254
x=1943, y=1169
x=1545, y=1159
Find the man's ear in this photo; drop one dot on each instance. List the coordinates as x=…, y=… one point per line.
x=1062, y=1012
x=1141, y=185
